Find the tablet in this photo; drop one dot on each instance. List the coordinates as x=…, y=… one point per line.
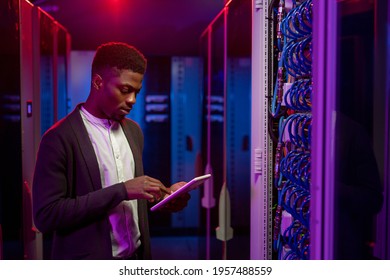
x=191, y=185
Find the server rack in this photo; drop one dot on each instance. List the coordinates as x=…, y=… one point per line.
x=345, y=75
x=22, y=117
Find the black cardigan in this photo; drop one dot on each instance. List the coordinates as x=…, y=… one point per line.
x=68, y=198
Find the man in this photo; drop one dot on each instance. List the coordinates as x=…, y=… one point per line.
x=89, y=188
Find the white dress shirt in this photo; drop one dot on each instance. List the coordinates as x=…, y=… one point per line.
x=116, y=164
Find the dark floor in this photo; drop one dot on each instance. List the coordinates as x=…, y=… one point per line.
x=165, y=247
x=195, y=248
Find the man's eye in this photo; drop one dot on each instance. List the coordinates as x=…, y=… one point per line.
x=127, y=90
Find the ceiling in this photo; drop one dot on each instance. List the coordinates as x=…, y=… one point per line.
x=156, y=27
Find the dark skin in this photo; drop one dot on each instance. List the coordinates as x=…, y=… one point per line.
x=112, y=96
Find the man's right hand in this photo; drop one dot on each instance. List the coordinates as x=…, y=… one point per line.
x=145, y=187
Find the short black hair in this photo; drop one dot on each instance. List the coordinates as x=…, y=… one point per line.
x=120, y=56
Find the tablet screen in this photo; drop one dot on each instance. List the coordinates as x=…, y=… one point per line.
x=191, y=185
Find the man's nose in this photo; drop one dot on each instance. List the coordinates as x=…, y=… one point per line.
x=131, y=98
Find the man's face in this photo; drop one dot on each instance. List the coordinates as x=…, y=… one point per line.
x=118, y=93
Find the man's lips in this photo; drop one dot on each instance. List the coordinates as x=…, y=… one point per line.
x=125, y=111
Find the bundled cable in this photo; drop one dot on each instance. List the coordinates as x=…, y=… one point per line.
x=297, y=58
x=298, y=96
x=296, y=240
x=298, y=22
x=291, y=107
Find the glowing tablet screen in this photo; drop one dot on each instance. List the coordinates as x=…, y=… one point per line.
x=191, y=185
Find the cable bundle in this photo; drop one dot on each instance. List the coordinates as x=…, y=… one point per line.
x=297, y=242
x=294, y=43
x=295, y=167
x=291, y=108
x=296, y=128
x=298, y=96
x=298, y=22
x=297, y=57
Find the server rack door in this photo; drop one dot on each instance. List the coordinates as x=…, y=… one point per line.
x=213, y=129
x=157, y=127
x=348, y=176
x=10, y=132
x=186, y=134
x=358, y=180
x=238, y=123
x=30, y=117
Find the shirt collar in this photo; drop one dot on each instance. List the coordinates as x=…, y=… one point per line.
x=92, y=119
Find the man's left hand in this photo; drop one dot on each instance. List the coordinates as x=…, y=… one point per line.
x=178, y=203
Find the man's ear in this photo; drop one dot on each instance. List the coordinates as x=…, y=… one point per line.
x=97, y=81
